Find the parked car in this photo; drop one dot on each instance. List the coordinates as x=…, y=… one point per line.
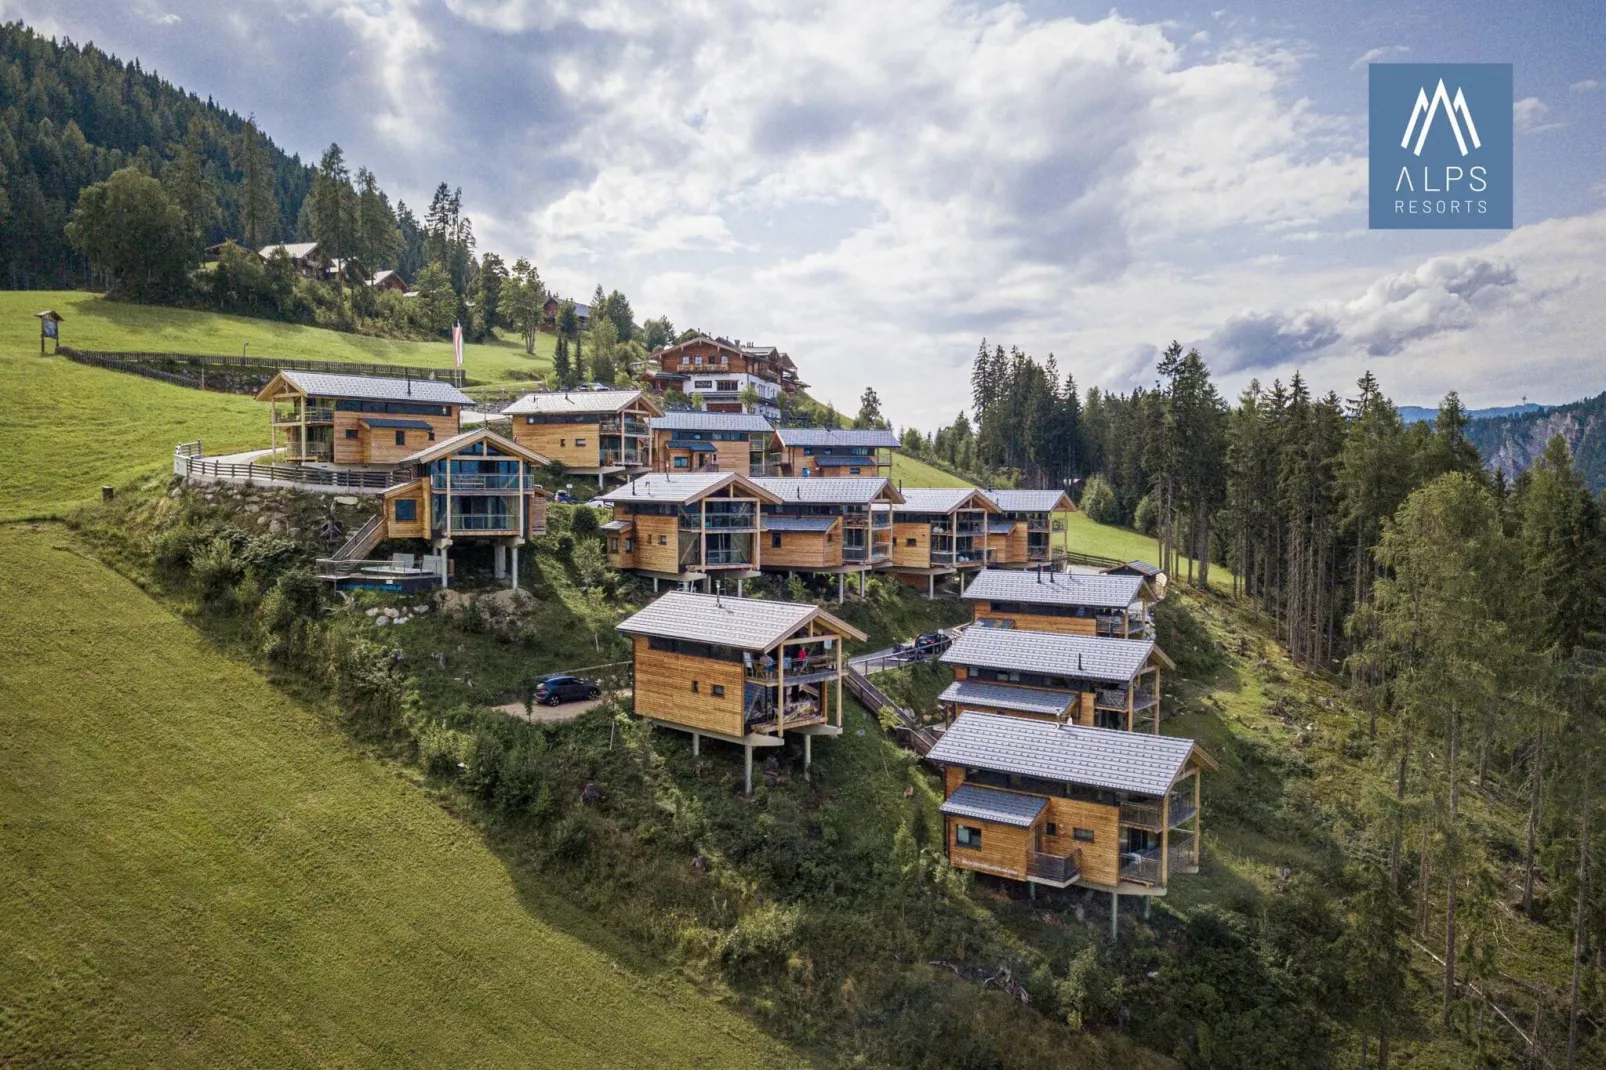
x=930, y=643
x=551, y=690
x=563, y=497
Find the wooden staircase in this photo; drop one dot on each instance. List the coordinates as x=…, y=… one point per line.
x=362, y=540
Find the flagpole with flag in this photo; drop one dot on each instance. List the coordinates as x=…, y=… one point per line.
x=457, y=343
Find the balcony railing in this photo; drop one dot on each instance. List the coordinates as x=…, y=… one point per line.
x=1115, y=699
x=476, y=522
x=1148, y=815
x=719, y=522
x=728, y=557
x=1142, y=867
x=624, y=457
x=503, y=481
x=804, y=710
x=614, y=426
x=798, y=670
x=1059, y=869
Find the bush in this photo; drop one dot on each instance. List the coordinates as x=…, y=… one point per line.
x=1146, y=517
x=1098, y=502
x=1180, y=635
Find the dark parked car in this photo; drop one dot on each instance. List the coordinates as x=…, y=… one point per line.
x=931, y=643
x=564, y=497
x=555, y=689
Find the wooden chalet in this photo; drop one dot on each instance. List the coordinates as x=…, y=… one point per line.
x=590, y=432
x=742, y=670
x=1078, y=679
x=1156, y=579
x=939, y=531
x=719, y=372
x=388, y=280
x=835, y=451
x=306, y=257
x=318, y=418
x=1058, y=805
x=1071, y=603
x=699, y=526
x=549, y=312
x=477, y=487
x=830, y=524
x=714, y=442
x=1024, y=530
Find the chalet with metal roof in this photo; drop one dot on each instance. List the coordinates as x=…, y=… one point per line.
x=1058, y=804
x=821, y=451
x=590, y=432
x=828, y=525
x=1023, y=531
x=697, y=441
x=306, y=257
x=1111, y=681
x=717, y=374
x=355, y=420
x=1074, y=603
x=699, y=526
x=939, y=531
x=743, y=670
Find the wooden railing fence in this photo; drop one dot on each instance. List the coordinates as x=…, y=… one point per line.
x=243, y=374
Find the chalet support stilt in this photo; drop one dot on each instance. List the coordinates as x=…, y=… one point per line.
x=696, y=742
x=1115, y=915
x=747, y=768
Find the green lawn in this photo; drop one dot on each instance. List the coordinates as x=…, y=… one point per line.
x=70, y=429
x=195, y=871
x=909, y=472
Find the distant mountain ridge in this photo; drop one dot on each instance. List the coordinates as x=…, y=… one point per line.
x=1417, y=413
x=1510, y=443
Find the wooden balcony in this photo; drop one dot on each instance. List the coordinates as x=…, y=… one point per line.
x=1053, y=868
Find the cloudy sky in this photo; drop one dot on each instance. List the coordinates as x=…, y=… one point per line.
x=874, y=187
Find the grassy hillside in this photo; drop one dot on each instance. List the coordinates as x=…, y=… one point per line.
x=70, y=429
x=908, y=471
x=199, y=873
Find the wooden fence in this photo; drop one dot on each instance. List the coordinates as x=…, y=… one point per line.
x=244, y=374
x=188, y=462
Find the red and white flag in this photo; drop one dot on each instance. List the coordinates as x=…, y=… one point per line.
x=457, y=343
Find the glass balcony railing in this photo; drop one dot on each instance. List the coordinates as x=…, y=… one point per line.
x=719, y=522
x=484, y=522
x=729, y=557
x=504, y=481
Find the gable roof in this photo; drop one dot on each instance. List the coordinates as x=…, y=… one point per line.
x=943, y=500
x=576, y=401
x=682, y=487
x=448, y=446
x=1008, y=697
x=744, y=623
x=1032, y=501
x=710, y=421
x=701, y=339
x=1142, y=568
x=294, y=250
x=1135, y=762
x=831, y=490
x=990, y=804
x=1081, y=657
x=1055, y=588
x=836, y=436
x=366, y=388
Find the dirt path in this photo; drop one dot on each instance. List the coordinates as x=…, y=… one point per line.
x=567, y=711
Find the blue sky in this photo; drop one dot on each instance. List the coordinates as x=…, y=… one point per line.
x=874, y=187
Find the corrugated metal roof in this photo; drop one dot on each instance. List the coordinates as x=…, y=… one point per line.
x=1077, y=656
x=675, y=487
x=374, y=388
x=942, y=499
x=409, y=425
x=1030, y=501
x=573, y=401
x=295, y=250
x=990, y=804
x=799, y=523
x=1007, y=697
x=710, y=421
x=836, y=436
x=1054, y=588
x=827, y=490
x=1135, y=762
x=744, y=623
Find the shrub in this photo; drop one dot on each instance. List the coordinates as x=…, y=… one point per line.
x=583, y=521
x=1098, y=502
x=1146, y=517
x=1180, y=635
x=762, y=939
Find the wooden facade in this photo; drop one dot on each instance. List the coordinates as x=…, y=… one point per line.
x=811, y=451
x=1024, y=531
x=714, y=442
x=685, y=527
x=740, y=670
x=591, y=432
x=358, y=420
x=1115, y=607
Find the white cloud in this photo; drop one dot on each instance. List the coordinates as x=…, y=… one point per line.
x=1377, y=55
x=1588, y=85
x=1531, y=116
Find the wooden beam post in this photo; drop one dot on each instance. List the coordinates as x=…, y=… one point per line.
x=840, y=642
x=780, y=690
x=1165, y=837
x=1198, y=816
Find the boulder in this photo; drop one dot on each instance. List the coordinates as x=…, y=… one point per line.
x=591, y=795
x=371, y=611
x=346, y=499
x=382, y=621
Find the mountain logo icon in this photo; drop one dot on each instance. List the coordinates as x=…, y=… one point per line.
x=1426, y=110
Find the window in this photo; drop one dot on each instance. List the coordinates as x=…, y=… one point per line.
x=432, y=436
x=613, y=544
x=629, y=545
x=1051, y=829
x=775, y=540
x=717, y=690
x=663, y=540
x=563, y=443
x=854, y=471
x=1082, y=835
x=682, y=462
x=911, y=541
x=694, y=687
x=401, y=438
x=406, y=510
x=351, y=432
x=968, y=836
x=580, y=442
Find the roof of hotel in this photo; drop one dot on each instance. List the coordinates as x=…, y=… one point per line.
x=575, y=401
x=1082, y=657
x=744, y=623
x=1031, y=501
x=370, y=388
x=830, y=490
x=836, y=436
x=682, y=487
x=943, y=500
x=1136, y=762
x=1054, y=588
x=710, y=421
x=1008, y=697
x=990, y=804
